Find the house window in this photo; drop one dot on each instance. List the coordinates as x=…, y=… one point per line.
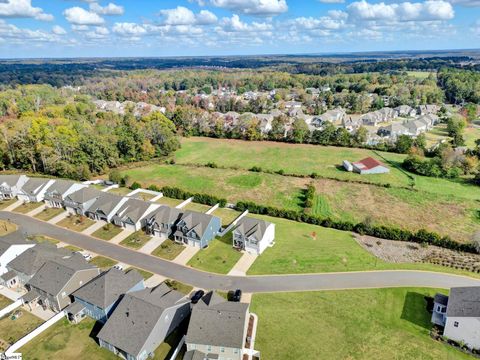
x=235, y=351
x=455, y=323
x=222, y=349
x=209, y=348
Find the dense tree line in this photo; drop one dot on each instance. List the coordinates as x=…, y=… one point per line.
x=460, y=86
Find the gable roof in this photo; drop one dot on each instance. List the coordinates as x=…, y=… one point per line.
x=464, y=302
x=218, y=324
x=367, y=163
x=165, y=215
x=106, y=202
x=60, y=186
x=105, y=289
x=84, y=194
x=197, y=221
x=136, y=316
x=10, y=180
x=7, y=242
x=248, y=226
x=34, y=185
x=133, y=209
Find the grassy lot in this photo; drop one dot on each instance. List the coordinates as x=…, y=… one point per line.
x=107, y=232
x=67, y=342
x=6, y=227
x=471, y=134
x=4, y=301
x=296, y=250
x=197, y=207
x=120, y=191
x=144, y=196
x=421, y=74
x=219, y=257
x=13, y=330
x=43, y=239
x=439, y=132
x=168, y=201
x=73, y=248
x=352, y=324
x=103, y=262
x=49, y=213
x=136, y=240
x=180, y=287
x=6, y=203
x=227, y=215
x=27, y=207
x=76, y=223
x=145, y=274
x=168, y=250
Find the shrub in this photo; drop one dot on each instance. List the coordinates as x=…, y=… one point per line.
x=135, y=185
x=255, y=169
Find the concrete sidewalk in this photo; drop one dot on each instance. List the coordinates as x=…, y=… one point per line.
x=243, y=264
x=13, y=206
x=58, y=218
x=11, y=294
x=98, y=225
x=155, y=280
x=152, y=244
x=117, y=239
x=36, y=211
x=186, y=255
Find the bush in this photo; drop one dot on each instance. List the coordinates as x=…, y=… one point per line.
x=255, y=169
x=135, y=185
x=211, y=165
x=205, y=199
x=115, y=176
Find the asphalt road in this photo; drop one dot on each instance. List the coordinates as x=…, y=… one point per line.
x=251, y=284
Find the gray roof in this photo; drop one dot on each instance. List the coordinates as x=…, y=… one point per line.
x=165, y=215
x=74, y=308
x=60, y=186
x=248, y=226
x=105, y=203
x=464, y=302
x=10, y=180
x=197, y=221
x=133, y=209
x=106, y=289
x=198, y=355
x=7, y=242
x=33, y=259
x=9, y=275
x=441, y=299
x=32, y=186
x=135, y=317
x=218, y=324
x=54, y=275
x=85, y=194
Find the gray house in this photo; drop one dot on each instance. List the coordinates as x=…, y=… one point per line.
x=99, y=297
x=162, y=222
x=132, y=214
x=105, y=206
x=80, y=201
x=55, y=281
x=253, y=235
x=10, y=185
x=197, y=229
x=459, y=314
x=217, y=328
x=142, y=320
x=56, y=193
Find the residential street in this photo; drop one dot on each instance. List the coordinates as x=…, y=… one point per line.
x=249, y=284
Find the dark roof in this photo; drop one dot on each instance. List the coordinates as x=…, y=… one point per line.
x=9, y=275
x=197, y=221
x=441, y=299
x=10, y=180
x=252, y=227
x=135, y=317
x=74, y=308
x=464, y=302
x=85, y=194
x=368, y=163
x=218, y=324
x=165, y=215
x=107, y=288
x=106, y=203
x=7, y=242
x=133, y=209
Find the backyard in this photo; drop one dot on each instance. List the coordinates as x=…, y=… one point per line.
x=350, y=324
x=76, y=223
x=13, y=330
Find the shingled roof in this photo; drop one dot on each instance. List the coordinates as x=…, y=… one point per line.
x=464, y=302
x=133, y=209
x=85, y=194
x=10, y=180
x=165, y=215
x=197, y=221
x=33, y=185
x=106, y=203
x=252, y=227
x=60, y=186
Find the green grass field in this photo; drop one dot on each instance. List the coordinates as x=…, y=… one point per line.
x=197, y=207
x=471, y=134
x=168, y=250
x=107, y=232
x=136, y=240
x=103, y=262
x=379, y=324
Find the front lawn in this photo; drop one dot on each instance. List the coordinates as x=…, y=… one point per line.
x=76, y=223
x=107, y=232
x=27, y=207
x=218, y=257
x=13, y=330
x=67, y=342
x=168, y=250
x=73, y=248
x=49, y=213
x=145, y=274
x=180, y=287
x=7, y=203
x=43, y=239
x=103, y=262
x=7, y=227
x=136, y=240
x=350, y=324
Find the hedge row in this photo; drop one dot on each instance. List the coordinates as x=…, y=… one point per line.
x=309, y=196
x=205, y=199
x=380, y=231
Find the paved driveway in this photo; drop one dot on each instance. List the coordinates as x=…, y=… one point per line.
x=250, y=284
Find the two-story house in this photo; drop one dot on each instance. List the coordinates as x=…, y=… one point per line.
x=10, y=185
x=253, y=235
x=98, y=298
x=105, y=207
x=34, y=189
x=162, y=221
x=55, y=195
x=80, y=201
x=197, y=229
x=132, y=215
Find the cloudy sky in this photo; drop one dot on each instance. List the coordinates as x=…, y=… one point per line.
x=71, y=28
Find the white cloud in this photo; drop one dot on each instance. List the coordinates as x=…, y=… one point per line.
x=22, y=9
x=184, y=16
x=79, y=16
x=58, y=30
x=129, y=29
x=234, y=24
x=405, y=11
x=324, y=22
x=16, y=35
x=253, y=7
x=110, y=9
x=468, y=3
x=476, y=28
x=332, y=1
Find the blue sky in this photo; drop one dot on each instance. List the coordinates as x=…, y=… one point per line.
x=74, y=28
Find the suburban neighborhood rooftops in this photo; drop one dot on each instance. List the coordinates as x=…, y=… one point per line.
x=165, y=214
x=9, y=275
x=197, y=221
x=85, y=194
x=106, y=288
x=33, y=185
x=367, y=163
x=464, y=302
x=10, y=180
x=135, y=317
x=441, y=299
x=133, y=209
x=218, y=324
x=252, y=227
x=7, y=242
x=60, y=186
x=106, y=202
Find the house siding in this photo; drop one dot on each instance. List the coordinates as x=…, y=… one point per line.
x=468, y=330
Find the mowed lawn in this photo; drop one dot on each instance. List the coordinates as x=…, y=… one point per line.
x=27, y=207
x=49, y=213
x=13, y=330
x=380, y=324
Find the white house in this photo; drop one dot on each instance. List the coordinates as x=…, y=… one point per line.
x=253, y=235
x=132, y=214
x=9, y=250
x=459, y=313
x=10, y=185
x=56, y=193
x=34, y=189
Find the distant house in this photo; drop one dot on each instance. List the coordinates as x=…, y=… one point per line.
x=374, y=118
x=98, y=298
x=105, y=206
x=351, y=124
x=428, y=109
x=253, y=235
x=10, y=185
x=394, y=130
x=10, y=249
x=197, y=229
x=217, y=328
x=333, y=116
x=56, y=193
x=56, y=280
x=162, y=221
x=416, y=127
x=366, y=166
x=34, y=189
x=405, y=111
x=459, y=314
x=293, y=105
x=142, y=320
x=80, y=201
x=132, y=214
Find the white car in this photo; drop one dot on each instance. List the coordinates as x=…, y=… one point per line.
x=118, y=267
x=87, y=256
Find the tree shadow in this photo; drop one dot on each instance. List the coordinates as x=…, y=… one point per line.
x=415, y=310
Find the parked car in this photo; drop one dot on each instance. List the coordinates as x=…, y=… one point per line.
x=118, y=267
x=197, y=296
x=87, y=256
x=236, y=296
